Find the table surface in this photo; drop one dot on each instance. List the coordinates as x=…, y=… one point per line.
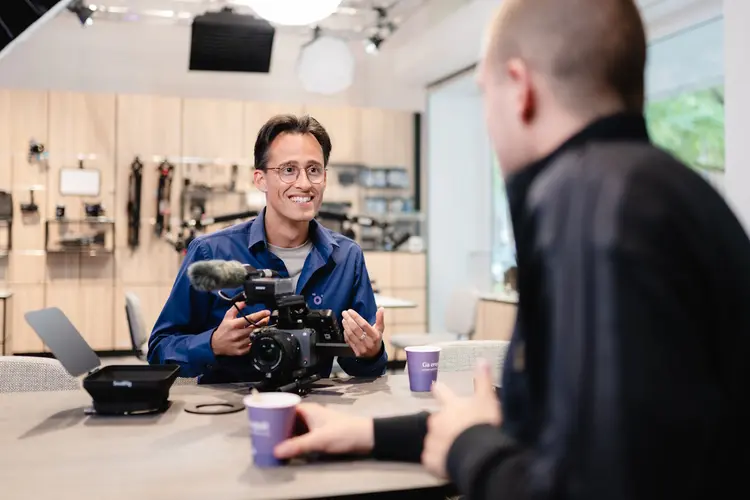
x=393, y=302
x=50, y=449
x=5, y=294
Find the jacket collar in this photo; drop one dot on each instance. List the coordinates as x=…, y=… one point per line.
x=617, y=127
x=321, y=237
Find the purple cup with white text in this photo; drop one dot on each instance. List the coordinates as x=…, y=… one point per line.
x=422, y=365
x=271, y=416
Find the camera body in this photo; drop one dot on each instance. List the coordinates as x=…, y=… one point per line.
x=288, y=351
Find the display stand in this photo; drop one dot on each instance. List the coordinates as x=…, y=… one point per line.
x=90, y=236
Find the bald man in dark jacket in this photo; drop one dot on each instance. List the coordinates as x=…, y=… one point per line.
x=627, y=375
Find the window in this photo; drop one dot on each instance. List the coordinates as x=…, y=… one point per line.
x=684, y=112
x=503, y=243
x=690, y=125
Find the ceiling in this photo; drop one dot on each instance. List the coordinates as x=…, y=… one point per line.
x=142, y=46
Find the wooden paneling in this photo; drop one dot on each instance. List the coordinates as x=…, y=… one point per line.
x=147, y=127
x=96, y=321
x=6, y=168
x=213, y=128
x=344, y=127
x=25, y=298
x=29, y=116
x=387, y=138
x=380, y=269
x=26, y=268
x=81, y=125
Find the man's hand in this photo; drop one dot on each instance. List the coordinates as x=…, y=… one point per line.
x=457, y=415
x=232, y=337
x=330, y=431
x=364, y=339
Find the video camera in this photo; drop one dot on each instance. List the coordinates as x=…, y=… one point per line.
x=288, y=351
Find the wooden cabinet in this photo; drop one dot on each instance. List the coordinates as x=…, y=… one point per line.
x=387, y=138
x=400, y=275
x=343, y=126
x=495, y=320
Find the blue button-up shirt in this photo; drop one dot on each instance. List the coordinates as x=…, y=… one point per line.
x=333, y=277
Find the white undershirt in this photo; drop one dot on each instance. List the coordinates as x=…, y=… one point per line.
x=293, y=258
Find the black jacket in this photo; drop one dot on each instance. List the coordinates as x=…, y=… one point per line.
x=628, y=375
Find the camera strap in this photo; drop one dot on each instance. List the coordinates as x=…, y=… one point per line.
x=163, y=197
x=134, y=203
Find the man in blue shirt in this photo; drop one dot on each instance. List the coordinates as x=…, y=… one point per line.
x=203, y=334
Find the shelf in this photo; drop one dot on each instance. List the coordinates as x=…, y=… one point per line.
x=91, y=236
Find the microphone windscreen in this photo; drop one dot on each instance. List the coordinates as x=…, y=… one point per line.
x=210, y=275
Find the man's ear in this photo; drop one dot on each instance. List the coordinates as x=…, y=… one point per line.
x=259, y=179
x=524, y=93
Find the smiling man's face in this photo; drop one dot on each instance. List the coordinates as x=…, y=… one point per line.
x=294, y=199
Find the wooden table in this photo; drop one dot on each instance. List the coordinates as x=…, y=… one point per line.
x=50, y=449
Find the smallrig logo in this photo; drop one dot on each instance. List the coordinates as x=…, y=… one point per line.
x=122, y=383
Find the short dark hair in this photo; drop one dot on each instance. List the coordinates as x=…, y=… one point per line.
x=289, y=124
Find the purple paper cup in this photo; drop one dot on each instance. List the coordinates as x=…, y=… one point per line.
x=422, y=363
x=271, y=417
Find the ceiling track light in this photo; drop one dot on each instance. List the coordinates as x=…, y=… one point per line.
x=83, y=12
x=383, y=29
x=372, y=44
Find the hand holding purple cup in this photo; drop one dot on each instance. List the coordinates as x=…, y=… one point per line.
x=272, y=416
x=422, y=365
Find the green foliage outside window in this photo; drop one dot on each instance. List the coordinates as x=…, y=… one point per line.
x=691, y=126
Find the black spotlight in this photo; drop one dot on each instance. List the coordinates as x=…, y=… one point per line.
x=372, y=45
x=84, y=12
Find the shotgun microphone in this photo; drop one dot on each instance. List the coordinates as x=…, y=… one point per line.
x=212, y=275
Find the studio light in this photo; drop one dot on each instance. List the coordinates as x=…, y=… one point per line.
x=294, y=12
x=326, y=65
x=83, y=12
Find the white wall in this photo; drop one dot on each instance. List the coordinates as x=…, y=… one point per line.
x=736, y=85
x=459, y=201
x=144, y=58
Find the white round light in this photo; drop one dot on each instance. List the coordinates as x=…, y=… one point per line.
x=326, y=66
x=294, y=12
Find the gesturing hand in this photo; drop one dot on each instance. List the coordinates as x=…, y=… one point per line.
x=364, y=339
x=456, y=415
x=330, y=431
x=232, y=337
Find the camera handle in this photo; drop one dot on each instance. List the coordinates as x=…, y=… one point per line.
x=301, y=386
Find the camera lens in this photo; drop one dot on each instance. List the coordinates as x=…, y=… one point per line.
x=269, y=352
x=274, y=352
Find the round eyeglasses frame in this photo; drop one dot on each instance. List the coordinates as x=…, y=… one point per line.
x=297, y=171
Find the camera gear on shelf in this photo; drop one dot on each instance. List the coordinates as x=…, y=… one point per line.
x=189, y=228
x=163, y=198
x=134, y=203
x=286, y=355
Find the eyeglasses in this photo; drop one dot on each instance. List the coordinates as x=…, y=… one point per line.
x=290, y=173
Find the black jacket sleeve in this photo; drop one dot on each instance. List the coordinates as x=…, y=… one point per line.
x=400, y=439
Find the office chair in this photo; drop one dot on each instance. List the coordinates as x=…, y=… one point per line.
x=136, y=325
x=32, y=374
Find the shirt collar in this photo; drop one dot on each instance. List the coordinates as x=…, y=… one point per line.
x=321, y=237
